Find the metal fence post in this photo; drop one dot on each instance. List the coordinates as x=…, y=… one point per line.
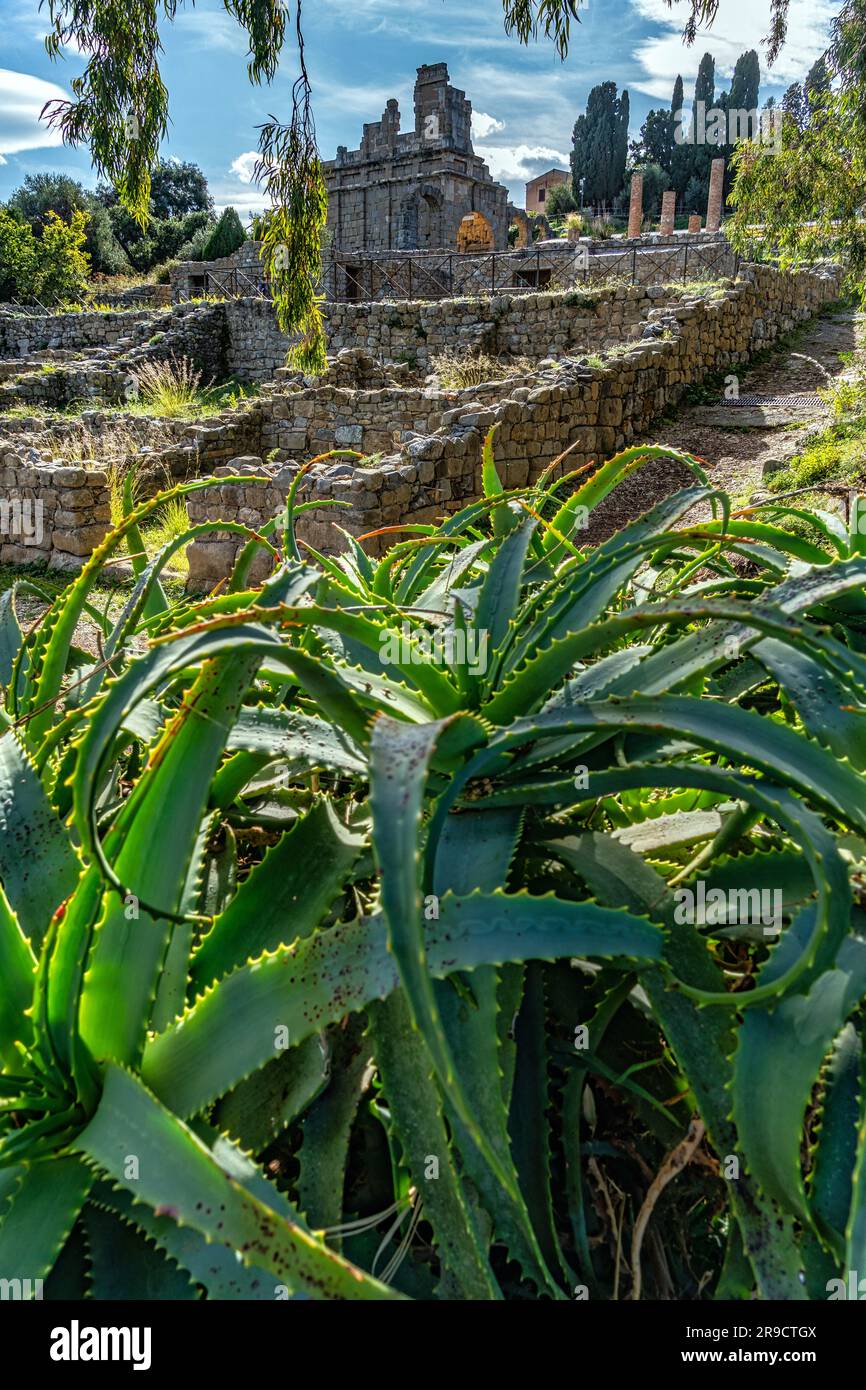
x=634, y=265
x=685, y=259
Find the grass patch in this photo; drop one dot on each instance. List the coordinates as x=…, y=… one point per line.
x=838, y=454
x=168, y=522
x=456, y=370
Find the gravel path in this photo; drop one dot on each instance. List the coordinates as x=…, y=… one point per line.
x=735, y=457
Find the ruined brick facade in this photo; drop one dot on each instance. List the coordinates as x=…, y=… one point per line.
x=411, y=191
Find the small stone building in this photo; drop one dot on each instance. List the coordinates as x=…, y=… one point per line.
x=538, y=188
x=412, y=191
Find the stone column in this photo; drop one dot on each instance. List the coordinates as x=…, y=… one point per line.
x=694, y=222
x=714, y=202
x=635, y=205
x=669, y=209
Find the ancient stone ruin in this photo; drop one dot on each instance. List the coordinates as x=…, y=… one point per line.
x=587, y=368
x=411, y=191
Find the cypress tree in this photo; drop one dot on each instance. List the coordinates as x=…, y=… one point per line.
x=226, y=237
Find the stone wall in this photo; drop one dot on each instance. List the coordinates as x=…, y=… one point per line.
x=532, y=325
x=54, y=515
x=595, y=410
x=22, y=334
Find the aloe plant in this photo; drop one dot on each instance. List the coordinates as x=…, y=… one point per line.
x=340, y=927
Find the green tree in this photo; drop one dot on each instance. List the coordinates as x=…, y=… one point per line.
x=51, y=268
x=226, y=237
x=793, y=106
x=41, y=194
x=19, y=259
x=621, y=147
x=65, y=264
x=600, y=145
x=177, y=188
x=816, y=88
x=746, y=82
x=808, y=199
x=560, y=200
x=656, y=143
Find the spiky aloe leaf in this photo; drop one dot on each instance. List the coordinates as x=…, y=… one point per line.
x=607, y=477
x=39, y=1215
x=475, y=851
x=401, y=755
x=17, y=972
x=230, y=1032
x=259, y=1109
x=38, y=866
x=822, y=702
x=830, y=1189
x=124, y=1265
x=415, y=1104
x=284, y=897
x=215, y=1267
x=327, y=1126
x=528, y=1121
x=792, y=1039
x=177, y=1175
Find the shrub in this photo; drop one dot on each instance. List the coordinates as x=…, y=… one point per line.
x=395, y=1052
x=227, y=236
x=576, y=222
x=560, y=200
x=50, y=269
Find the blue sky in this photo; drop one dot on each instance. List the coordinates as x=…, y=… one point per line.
x=360, y=52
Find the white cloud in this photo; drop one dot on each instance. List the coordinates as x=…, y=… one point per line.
x=484, y=125
x=739, y=25
x=244, y=165
x=22, y=97
x=515, y=165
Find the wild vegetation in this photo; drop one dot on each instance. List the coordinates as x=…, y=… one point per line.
x=357, y=965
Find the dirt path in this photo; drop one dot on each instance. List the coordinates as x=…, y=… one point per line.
x=737, y=453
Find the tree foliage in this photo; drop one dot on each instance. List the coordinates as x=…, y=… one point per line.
x=227, y=236
x=42, y=194
x=560, y=200
x=808, y=199
x=51, y=268
x=600, y=146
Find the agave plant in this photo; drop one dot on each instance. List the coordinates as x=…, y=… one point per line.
x=341, y=922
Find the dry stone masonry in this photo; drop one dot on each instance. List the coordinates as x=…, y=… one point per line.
x=567, y=401
x=588, y=368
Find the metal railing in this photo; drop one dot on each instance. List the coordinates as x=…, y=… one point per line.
x=420, y=275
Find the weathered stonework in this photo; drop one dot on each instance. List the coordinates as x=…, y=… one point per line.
x=594, y=409
x=716, y=195
x=413, y=447
x=412, y=190
x=635, y=205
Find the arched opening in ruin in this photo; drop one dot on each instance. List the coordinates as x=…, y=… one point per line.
x=430, y=235
x=420, y=226
x=518, y=219
x=475, y=233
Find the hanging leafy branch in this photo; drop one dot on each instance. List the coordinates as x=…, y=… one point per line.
x=806, y=199
x=290, y=169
